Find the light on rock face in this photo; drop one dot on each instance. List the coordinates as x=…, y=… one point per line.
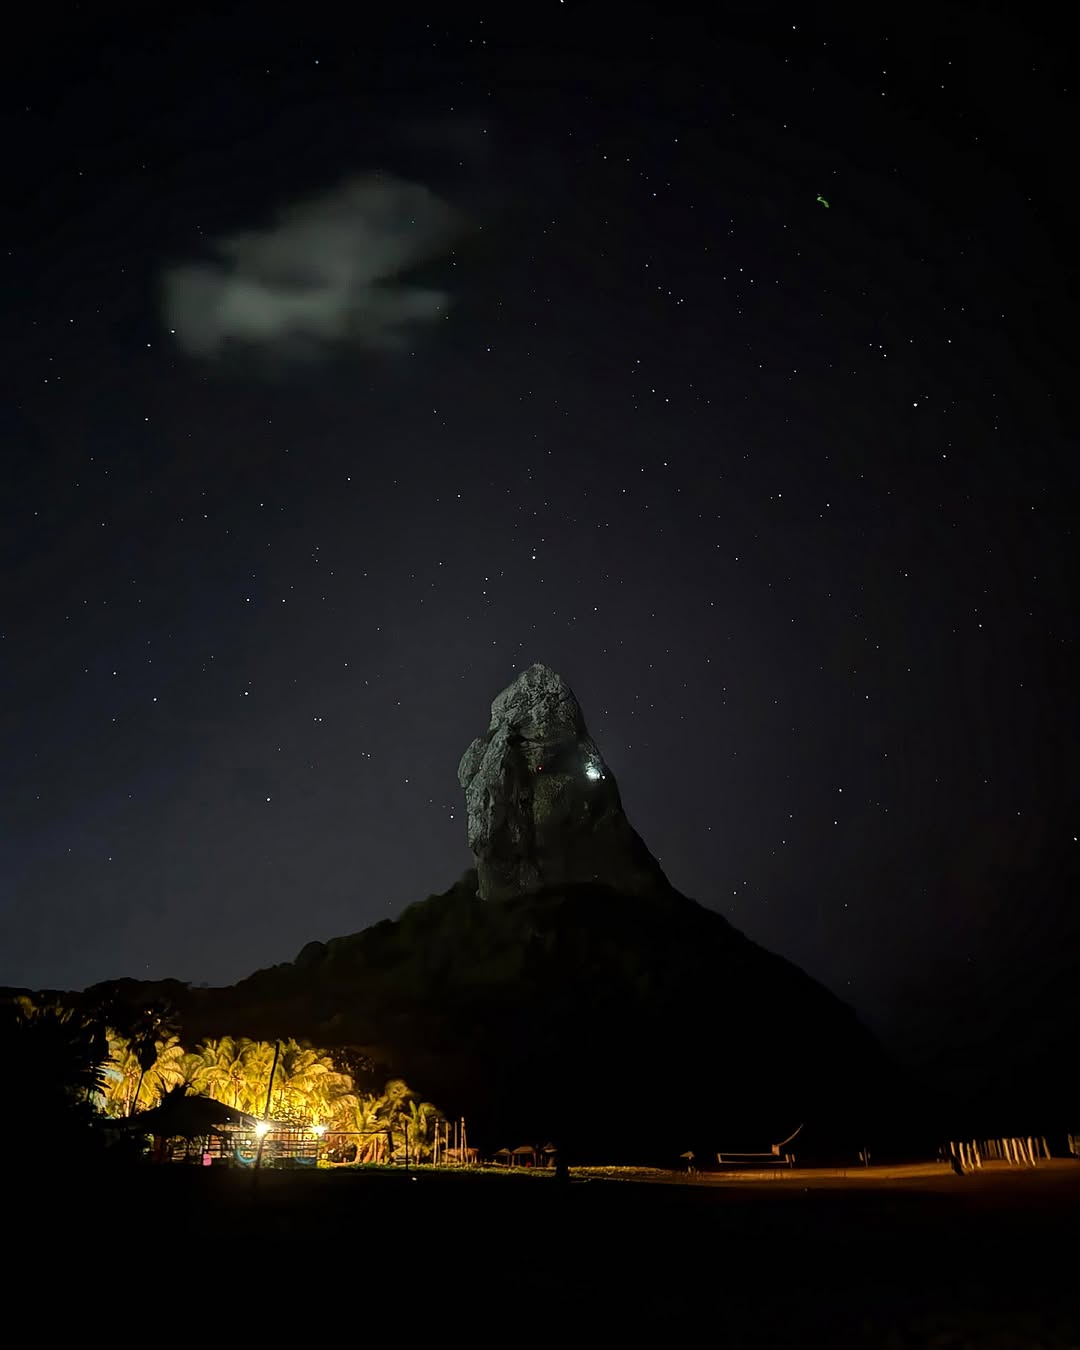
x=543, y=808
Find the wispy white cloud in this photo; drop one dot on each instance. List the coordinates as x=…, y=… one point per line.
x=328, y=271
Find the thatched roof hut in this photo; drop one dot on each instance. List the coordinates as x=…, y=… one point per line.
x=181, y=1117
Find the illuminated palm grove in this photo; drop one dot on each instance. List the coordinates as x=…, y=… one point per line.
x=307, y=1088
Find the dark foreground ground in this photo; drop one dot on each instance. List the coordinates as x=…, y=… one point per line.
x=988, y=1260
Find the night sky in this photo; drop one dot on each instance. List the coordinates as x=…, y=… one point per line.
x=721, y=364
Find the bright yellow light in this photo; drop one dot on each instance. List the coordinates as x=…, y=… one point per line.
x=320, y=1130
x=262, y=1128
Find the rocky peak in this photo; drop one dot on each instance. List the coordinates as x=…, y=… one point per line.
x=543, y=807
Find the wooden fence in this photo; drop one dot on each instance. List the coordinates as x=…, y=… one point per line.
x=968, y=1155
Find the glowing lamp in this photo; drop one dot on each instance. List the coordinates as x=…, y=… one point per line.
x=262, y=1128
x=593, y=771
x=319, y=1130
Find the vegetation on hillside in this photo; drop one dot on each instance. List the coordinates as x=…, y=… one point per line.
x=306, y=1086
x=82, y=1063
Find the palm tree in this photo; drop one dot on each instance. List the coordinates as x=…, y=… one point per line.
x=153, y=1023
x=391, y=1113
x=206, y=1068
x=257, y=1058
x=166, y=1068
x=420, y=1119
x=236, y=1067
x=57, y=1053
x=309, y=1084
x=359, y=1115
x=194, y=1070
x=121, y=1072
x=134, y=1081
x=228, y=1058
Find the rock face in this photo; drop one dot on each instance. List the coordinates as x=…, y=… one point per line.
x=543, y=808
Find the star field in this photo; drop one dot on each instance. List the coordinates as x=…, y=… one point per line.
x=351, y=373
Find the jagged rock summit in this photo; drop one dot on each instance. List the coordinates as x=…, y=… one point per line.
x=544, y=811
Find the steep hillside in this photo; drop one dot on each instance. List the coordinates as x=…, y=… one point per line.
x=625, y=1027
